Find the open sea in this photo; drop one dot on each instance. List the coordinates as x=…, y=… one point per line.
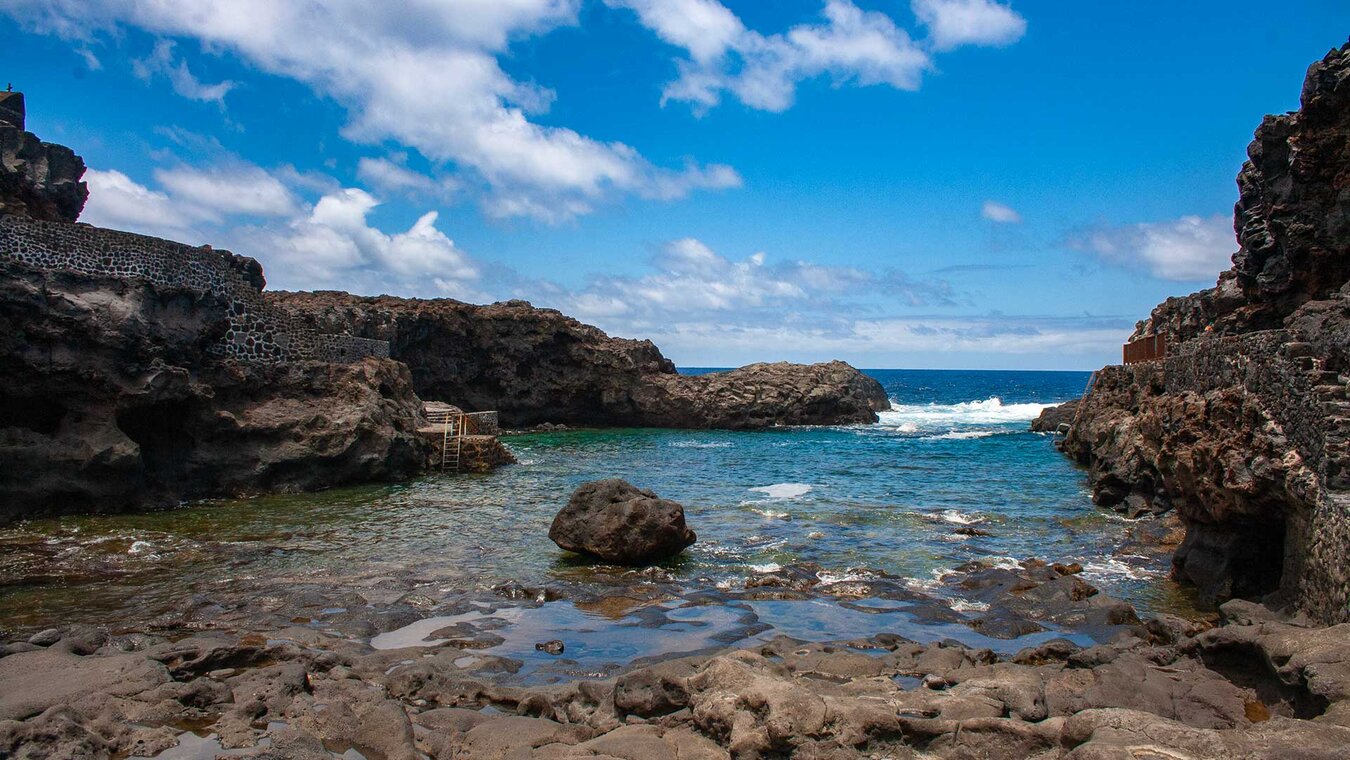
x=954, y=452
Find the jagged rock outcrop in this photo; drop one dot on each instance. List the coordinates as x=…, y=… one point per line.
x=539, y=366
x=37, y=179
x=110, y=400
x=1243, y=427
x=615, y=521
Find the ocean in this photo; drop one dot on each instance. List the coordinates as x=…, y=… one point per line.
x=888, y=498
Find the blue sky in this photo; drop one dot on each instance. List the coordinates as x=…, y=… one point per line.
x=897, y=183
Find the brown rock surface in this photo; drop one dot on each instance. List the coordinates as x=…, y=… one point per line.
x=539, y=366
x=109, y=400
x=37, y=179
x=1242, y=428
x=617, y=522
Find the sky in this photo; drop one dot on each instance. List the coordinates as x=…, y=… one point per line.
x=987, y=184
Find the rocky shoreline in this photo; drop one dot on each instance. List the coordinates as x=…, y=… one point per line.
x=1098, y=684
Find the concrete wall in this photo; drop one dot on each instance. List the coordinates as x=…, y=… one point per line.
x=257, y=332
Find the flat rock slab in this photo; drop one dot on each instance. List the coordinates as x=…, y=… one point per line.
x=31, y=682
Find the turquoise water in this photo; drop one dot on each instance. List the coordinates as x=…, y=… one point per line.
x=954, y=452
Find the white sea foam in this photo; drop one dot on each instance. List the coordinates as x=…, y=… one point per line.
x=773, y=514
x=783, y=490
x=968, y=605
x=961, y=435
x=954, y=418
x=140, y=547
x=700, y=444
x=1113, y=568
x=769, y=567
x=956, y=517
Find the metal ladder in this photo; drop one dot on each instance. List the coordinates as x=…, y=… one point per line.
x=452, y=441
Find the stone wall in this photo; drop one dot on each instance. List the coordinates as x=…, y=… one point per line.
x=1295, y=389
x=258, y=331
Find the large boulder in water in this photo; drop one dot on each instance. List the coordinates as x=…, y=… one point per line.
x=618, y=522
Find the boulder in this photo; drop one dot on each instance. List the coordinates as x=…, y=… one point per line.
x=618, y=522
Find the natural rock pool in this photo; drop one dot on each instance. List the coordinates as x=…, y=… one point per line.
x=831, y=505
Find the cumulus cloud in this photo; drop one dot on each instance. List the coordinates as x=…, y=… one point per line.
x=163, y=62
x=1188, y=249
x=335, y=245
x=953, y=23
x=327, y=243
x=119, y=202
x=422, y=74
x=762, y=71
x=1000, y=213
x=850, y=45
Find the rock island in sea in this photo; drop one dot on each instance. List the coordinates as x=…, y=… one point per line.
x=139, y=373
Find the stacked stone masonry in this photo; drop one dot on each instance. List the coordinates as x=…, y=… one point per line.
x=1311, y=404
x=257, y=331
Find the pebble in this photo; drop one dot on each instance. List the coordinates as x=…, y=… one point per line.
x=934, y=681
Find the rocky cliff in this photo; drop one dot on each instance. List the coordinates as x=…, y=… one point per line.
x=109, y=401
x=37, y=179
x=538, y=365
x=1243, y=426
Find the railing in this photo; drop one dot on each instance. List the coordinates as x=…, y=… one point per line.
x=1146, y=349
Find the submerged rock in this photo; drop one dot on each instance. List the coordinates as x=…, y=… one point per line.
x=617, y=522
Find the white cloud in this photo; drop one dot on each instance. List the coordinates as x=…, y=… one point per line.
x=1188, y=249
x=117, y=201
x=850, y=45
x=953, y=23
x=334, y=245
x=1000, y=213
x=162, y=62
x=422, y=74
x=329, y=244
x=703, y=27
x=762, y=71
x=228, y=190
x=391, y=175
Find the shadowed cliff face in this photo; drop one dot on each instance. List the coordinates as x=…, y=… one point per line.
x=1243, y=427
x=110, y=400
x=538, y=365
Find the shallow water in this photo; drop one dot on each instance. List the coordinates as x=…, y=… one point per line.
x=955, y=452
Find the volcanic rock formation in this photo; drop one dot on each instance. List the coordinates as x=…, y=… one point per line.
x=539, y=366
x=37, y=179
x=617, y=522
x=1244, y=427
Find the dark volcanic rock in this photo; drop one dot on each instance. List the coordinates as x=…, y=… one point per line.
x=1242, y=428
x=539, y=366
x=37, y=179
x=109, y=400
x=618, y=522
x=1050, y=418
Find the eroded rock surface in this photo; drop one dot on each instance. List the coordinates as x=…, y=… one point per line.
x=109, y=401
x=615, y=521
x=1258, y=686
x=538, y=366
x=1242, y=428
x=37, y=179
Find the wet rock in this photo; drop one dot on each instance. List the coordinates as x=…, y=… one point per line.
x=31, y=682
x=969, y=531
x=1052, y=417
x=552, y=646
x=617, y=522
x=45, y=638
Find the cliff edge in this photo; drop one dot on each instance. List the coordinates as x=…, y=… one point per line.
x=1242, y=427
